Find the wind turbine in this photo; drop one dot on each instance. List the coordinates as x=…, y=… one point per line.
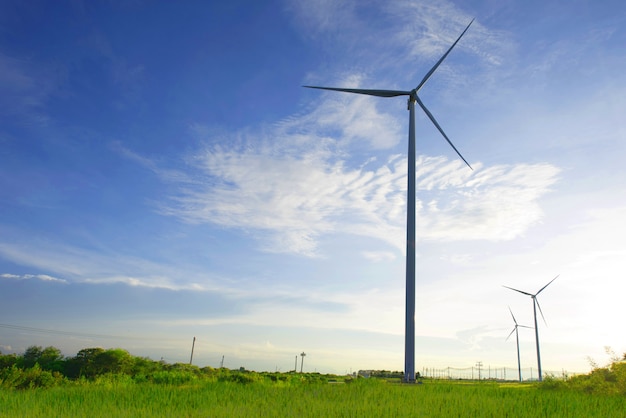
x=519, y=364
x=535, y=306
x=409, y=342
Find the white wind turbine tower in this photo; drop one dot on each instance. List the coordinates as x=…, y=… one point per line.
x=515, y=330
x=535, y=306
x=409, y=342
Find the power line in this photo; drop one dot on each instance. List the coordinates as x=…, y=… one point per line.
x=66, y=333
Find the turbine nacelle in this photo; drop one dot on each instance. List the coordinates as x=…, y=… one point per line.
x=534, y=296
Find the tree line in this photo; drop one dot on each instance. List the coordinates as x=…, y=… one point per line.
x=45, y=367
x=87, y=363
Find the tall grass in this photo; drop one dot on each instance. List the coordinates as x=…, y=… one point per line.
x=120, y=397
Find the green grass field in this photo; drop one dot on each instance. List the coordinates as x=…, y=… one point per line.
x=364, y=397
x=110, y=383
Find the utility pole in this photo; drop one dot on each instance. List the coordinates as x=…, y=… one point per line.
x=302, y=362
x=192, y=346
x=479, y=364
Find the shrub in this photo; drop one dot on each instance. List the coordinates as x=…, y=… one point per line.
x=619, y=370
x=114, y=380
x=607, y=380
x=242, y=377
x=34, y=377
x=173, y=377
x=551, y=383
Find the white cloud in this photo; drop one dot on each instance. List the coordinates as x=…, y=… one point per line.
x=356, y=118
x=288, y=193
x=45, y=278
x=495, y=203
x=42, y=277
x=10, y=276
x=153, y=282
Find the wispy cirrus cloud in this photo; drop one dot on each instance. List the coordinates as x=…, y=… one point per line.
x=420, y=33
x=496, y=203
x=76, y=264
x=291, y=186
x=24, y=89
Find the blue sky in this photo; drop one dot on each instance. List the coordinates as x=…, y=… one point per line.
x=163, y=175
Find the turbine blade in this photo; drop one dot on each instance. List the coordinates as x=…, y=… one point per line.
x=369, y=92
x=540, y=311
x=432, y=70
x=524, y=326
x=513, y=316
x=521, y=291
x=432, y=119
x=547, y=285
x=507, y=338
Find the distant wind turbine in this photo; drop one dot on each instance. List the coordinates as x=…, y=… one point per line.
x=515, y=330
x=535, y=306
x=409, y=342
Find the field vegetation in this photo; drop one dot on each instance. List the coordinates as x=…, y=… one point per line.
x=112, y=383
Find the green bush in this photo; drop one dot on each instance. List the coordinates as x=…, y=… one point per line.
x=551, y=383
x=609, y=380
x=114, y=380
x=10, y=377
x=34, y=377
x=239, y=377
x=173, y=377
x=619, y=369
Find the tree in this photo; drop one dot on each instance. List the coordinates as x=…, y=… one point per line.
x=114, y=360
x=51, y=359
x=7, y=360
x=84, y=363
x=30, y=356
x=145, y=366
